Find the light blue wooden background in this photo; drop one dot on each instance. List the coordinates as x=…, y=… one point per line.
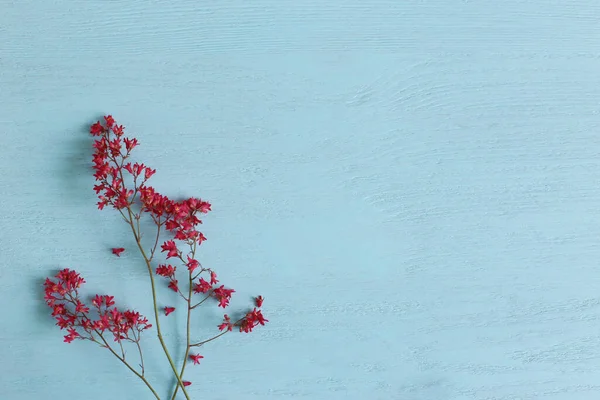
x=412, y=185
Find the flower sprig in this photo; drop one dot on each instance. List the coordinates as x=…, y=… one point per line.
x=123, y=185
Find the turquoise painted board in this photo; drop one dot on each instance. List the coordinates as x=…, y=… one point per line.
x=413, y=186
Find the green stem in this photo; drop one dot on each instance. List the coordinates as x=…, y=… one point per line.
x=189, y=313
x=137, y=237
x=122, y=359
x=154, y=302
x=126, y=364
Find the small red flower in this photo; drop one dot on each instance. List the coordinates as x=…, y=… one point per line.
x=169, y=310
x=223, y=295
x=196, y=358
x=72, y=335
x=130, y=144
x=186, y=383
x=108, y=300
x=171, y=248
x=226, y=324
x=117, y=251
x=173, y=285
x=202, y=286
x=165, y=270
x=213, y=278
x=148, y=172
x=192, y=264
x=110, y=121
x=97, y=129
x=251, y=320
x=259, y=300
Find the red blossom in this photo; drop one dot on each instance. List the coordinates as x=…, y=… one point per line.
x=259, y=301
x=173, y=285
x=226, y=324
x=171, y=248
x=62, y=296
x=196, y=358
x=97, y=129
x=223, y=295
x=148, y=173
x=109, y=120
x=179, y=218
x=117, y=251
x=171, y=225
x=165, y=270
x=72, y=335
x=251, y=320
x=169, y=310
x=201, y=238
x=213, y=278
x=108, y=300
x=130, y=143
x=118, y=130
x=192, y=264
x=202, y=286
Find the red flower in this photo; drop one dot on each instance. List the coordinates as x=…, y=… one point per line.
x=201, y=238
x=117, y=251
x=72, y=335
x=118, y=130
x=165, y=270
x=202, y=286
x=251, y=320
x=173, y=285
x=192, y=264
x=108, y=300
x=130, y=144
x=97, y=129
x=223, y=295
x=81, y=308
x=196, y=358
x=186, y=383
x=226, y=324
x=148, y=173
x=259, y=301
x=171, y=247
x=110, y=121
x=169, y=310
x=213, y=278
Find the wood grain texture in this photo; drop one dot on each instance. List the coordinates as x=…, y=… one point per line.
x=412, y=185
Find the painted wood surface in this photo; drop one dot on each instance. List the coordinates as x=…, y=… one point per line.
x=413, y=186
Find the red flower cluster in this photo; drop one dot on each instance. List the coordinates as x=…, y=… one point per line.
x=72, y=314
x=123, y=185
x=110, y=156
x=221, y=293
x=251, y=320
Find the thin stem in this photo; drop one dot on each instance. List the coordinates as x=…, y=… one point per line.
x=122, y=359
x=154, y=300
x=137, y=237
x=201, y=301
x=157, y=221
x=217, y=336
x=126, y=364
x=122, y=350
x=209, y=340
x=137, y=342
x=189, y=313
